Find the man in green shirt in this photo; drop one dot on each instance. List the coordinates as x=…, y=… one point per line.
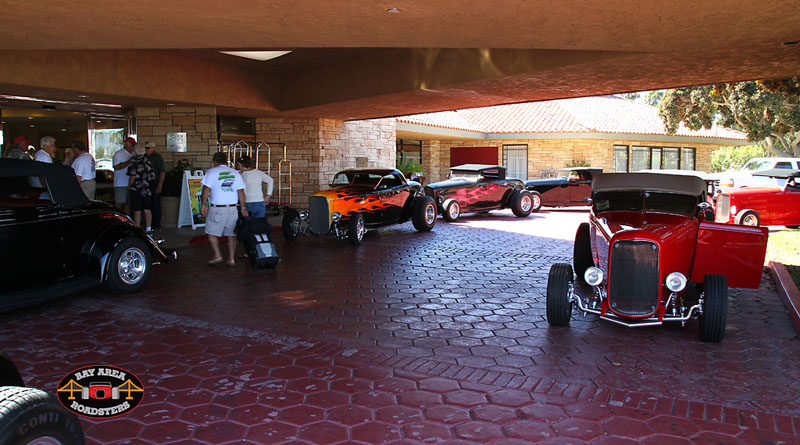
x=155, y=187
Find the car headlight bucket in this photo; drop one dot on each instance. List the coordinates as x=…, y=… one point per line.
x=336, y=217
x=303, y=214
x=676, y=282
x=734, y=210
x=593, y=276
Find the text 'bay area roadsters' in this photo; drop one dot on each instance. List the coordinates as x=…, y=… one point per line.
x=361, y=199
x=651, y=253
x=479, y=188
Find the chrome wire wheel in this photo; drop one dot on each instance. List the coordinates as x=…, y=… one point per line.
x=526, y=204
x=360, y=230
x=430, y=214
x=536, y=202
x=131, y=265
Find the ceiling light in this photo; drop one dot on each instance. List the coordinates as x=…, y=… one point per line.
x=82, y=96
x=31, y=125
x=30, y=118
x=51, y=101
x=393, y=11
x=63, y=129
x=256, y=55
x=170, y=105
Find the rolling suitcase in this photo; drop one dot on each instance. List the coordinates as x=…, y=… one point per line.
x=256, y=235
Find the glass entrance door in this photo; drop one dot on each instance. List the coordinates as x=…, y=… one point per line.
x=106, y=136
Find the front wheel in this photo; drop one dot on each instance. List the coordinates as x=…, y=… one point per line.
x=32, y=416
x=129, y=266
x=423, y=213
x=521, y=203
x=559, y=290
x=715, y=308
x=749, y=218
x=356, y=229
x=452, y=212
x=291, y=224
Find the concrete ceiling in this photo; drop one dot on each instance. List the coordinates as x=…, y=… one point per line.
x=372, y=58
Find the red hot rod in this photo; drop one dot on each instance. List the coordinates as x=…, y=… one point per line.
x=651, y=254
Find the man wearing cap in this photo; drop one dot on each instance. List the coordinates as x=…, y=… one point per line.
x=19, y=150
x=84, y=169
x=223, y=187
x=121, y=161
x=155, y=187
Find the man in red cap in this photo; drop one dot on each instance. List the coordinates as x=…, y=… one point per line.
x=122, y=159
x=19, y=150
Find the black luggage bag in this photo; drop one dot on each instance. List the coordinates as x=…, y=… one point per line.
x=256, y=235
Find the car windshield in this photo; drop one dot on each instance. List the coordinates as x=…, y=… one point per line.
x=755, y=165
x=636, y=200
x=357, y=179
x=464, y=174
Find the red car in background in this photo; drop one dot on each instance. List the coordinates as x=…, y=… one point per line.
x=768, y=205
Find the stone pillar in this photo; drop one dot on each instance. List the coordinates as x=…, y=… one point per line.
x=199, y=124
x=432, y=161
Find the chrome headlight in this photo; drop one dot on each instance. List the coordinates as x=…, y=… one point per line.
x=336, y=217
x=676, y=282
x=303, y=214
x=593, y=276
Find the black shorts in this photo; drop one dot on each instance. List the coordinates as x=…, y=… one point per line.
x=139, y=202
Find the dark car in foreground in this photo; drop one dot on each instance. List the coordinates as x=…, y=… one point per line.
x=479, y=188
x=571, y=188
x=769, y=205
x=55, y=241
x=361, y=199
x=650, y=254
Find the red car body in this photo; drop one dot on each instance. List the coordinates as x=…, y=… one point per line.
x=769, y=205
x=643, y=230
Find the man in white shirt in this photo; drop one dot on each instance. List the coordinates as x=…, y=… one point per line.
x=121, y=160
x=45, y=154
x=253, y=178
x=84, y=169
x=222, y=189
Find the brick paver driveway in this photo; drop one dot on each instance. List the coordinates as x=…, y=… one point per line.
x=414, y=337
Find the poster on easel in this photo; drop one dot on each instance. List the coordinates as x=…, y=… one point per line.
x=191, y=193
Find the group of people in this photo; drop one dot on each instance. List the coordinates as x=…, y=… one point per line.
x=223, y=189
x=78, y=158
x=138, y=181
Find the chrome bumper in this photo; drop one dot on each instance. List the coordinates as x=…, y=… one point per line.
x=697, y=309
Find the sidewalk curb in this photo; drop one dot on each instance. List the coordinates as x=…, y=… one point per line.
x=787, y=291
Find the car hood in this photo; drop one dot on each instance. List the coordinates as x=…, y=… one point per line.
x=752, y=190
x=344, y=192
x=551, y=181
x=663, y=228
x=450, y=183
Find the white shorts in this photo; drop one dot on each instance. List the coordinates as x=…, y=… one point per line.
x=221, y=221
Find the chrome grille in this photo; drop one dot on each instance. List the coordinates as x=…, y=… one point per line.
x=633, y=278
x=723, y=207
x=319, y=215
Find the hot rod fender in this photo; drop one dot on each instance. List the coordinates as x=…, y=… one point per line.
x=109, y=239
x=737, y=252
x=444, y=205
x=409, y=204
x=9, y=375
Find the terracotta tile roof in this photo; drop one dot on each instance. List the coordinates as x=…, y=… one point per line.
x=602, y=114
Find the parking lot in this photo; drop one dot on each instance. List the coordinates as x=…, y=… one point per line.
x=415, y=337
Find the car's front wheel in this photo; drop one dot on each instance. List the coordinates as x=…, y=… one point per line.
x=522, y=203
x=356, y=229
x=715, y=308
x=536, y=201
x=129, y=266
x=452, y=212
x=749, y=218
x=32, y=416
x=559, y=289
x=291, y=224
x=423, y=213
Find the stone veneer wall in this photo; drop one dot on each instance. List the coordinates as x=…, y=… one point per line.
x=199, y=124
x=552, y=154
x=318, y=148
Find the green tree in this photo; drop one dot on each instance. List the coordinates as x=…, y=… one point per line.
x=631, y=96
x=654, y=97
x=733, y=158
x=767, y=110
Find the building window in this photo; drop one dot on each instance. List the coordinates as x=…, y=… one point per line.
x=655, y=155
x=640, y=158
x=688, y=156
x=621, y=158
x=515, y=160
x=411, y=148
x=671, y=158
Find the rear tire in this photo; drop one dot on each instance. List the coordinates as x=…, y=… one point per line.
x=522, y=203
x=452, y=212
x=291, y=224
x=129, y=266
x=536, y=199
x=30, y=414
x=423, y=213
x=356, y=229
x=559, y=282
x=749, y=218
x=582, y=251
x=715, y=308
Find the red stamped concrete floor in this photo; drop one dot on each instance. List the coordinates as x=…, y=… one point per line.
x=412, y=337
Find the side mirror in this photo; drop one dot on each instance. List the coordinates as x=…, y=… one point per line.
x=587, y=200
x=707, y=210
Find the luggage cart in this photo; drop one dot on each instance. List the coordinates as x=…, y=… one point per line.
x=284, y=181
x=237, y=150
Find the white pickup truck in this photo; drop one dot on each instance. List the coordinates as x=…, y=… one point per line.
x=744, y=176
